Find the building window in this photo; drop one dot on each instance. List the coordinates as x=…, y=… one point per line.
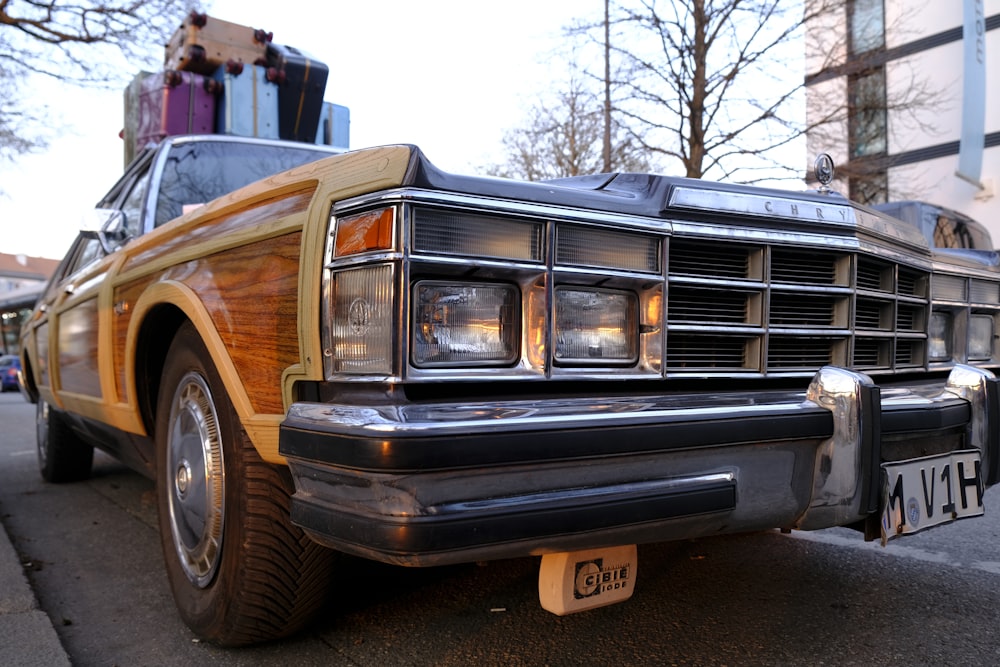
x=868, y=182
x=866, y=25
x=867, y=109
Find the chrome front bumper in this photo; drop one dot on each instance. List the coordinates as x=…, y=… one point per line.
x=430, y=484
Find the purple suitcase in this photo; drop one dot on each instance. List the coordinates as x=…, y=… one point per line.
x=174, y=102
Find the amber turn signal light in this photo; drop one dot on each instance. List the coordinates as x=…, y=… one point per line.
x=364, y=232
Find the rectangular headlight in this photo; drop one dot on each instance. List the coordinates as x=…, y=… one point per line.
x=595, y=326
x=980, y=337
x=475, y=324
x=939, y=337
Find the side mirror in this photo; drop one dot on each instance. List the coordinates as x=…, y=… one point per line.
x=107, y=226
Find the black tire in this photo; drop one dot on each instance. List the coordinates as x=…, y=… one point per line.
x=62, y=455
x=240, y=572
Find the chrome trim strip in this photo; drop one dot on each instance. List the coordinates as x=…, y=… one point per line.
x=712, y=201
x=613, y=221
x=442, y=420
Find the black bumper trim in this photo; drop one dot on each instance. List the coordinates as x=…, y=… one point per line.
x=402, y=453
x=907, y=419
x=451, y=532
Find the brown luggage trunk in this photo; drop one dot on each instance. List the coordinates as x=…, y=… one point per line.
x=203, y=43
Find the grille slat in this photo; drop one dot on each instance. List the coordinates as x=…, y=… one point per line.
x=795, y=353
x=803, y=268
x=871, y=353
x=801, y=310
x=709, y=261
x=687, y=351
x=707, y=306
x=874, y=276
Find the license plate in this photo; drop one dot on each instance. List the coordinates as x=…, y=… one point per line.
x=929, y=491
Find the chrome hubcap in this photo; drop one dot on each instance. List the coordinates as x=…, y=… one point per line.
x=196, y=479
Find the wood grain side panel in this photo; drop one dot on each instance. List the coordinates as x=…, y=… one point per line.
x=199, y=235
x=175, y=249
x=77, y=359
x=124, y=297
x=251, y=294
x=42, y=355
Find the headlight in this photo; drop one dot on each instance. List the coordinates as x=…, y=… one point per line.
x=595, y=326
x=980, y=337
x=464, y=324
x=940, y=336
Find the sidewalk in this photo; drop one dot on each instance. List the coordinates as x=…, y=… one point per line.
x=27, y=638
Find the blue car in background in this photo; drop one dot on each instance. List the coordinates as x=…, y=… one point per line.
x=10, y=364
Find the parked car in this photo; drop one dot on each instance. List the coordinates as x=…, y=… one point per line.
x=942, y=227
x=10, y=366
x=367, y=355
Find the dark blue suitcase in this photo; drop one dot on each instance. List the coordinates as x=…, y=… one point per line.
x=301, y=85
x=249, y=103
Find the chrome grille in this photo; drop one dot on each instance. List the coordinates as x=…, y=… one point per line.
x=779, y=310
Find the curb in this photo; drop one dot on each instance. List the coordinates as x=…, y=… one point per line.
x=27, y=636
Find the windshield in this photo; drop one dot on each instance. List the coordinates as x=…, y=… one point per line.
x=198, y=172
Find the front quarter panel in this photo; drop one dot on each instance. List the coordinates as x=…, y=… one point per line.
x=246, y=271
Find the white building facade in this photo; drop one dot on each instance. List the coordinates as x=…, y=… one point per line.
x=909, y=120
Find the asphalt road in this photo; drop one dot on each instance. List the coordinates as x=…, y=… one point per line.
x=826, y=598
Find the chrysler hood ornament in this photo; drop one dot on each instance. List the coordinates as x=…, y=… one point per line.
x=823, y=168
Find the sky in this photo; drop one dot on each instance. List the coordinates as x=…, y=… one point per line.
x=447, y=75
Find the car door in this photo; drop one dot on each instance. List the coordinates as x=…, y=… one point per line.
x=74, y=312
x=38, y=331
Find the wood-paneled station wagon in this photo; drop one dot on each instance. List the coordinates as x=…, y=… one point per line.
x=359, y=353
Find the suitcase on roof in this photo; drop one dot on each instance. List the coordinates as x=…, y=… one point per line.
x=334, y=126
x=130, y=130
x=203, y=43
x=173, y=102
x=301, y=85
x=248, y=106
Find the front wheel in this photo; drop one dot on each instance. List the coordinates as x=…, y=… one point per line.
x=239, y=570
x=62, y=455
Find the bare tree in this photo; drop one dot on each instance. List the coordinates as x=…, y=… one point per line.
x=82, y=43
x=719, y=86
x=713, y=85
x=565, y=137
